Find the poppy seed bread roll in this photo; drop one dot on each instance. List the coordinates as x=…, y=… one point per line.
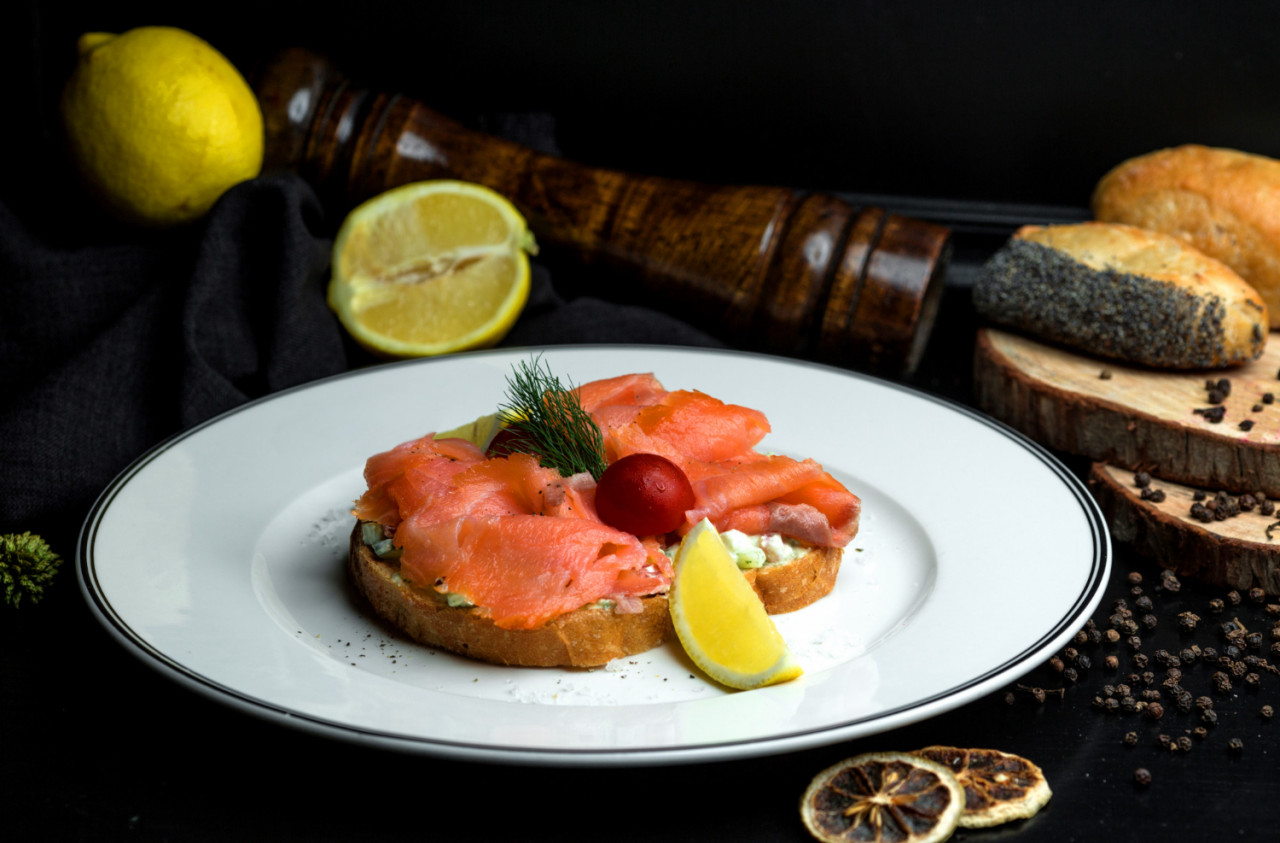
x=1124, y=293
x=1224, y=202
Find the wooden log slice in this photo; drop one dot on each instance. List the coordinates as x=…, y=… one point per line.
x=1134, y=417
x=1241, y=551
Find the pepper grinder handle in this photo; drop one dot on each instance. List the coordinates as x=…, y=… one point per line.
x=797, y=273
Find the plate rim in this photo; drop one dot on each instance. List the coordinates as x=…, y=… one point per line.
x=918, y=709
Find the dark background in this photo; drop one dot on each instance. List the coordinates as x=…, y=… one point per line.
x=994, y=112
x=977, y=100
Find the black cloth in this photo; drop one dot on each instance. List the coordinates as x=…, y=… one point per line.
x=116, y=339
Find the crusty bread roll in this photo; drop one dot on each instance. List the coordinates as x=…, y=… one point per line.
x=1125, y=293
x=587, y=637
x=1224, y=202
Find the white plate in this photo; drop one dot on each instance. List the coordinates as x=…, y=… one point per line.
x=218, y=559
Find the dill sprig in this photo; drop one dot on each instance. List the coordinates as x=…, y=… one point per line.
x=27, y=565
x=546, y=419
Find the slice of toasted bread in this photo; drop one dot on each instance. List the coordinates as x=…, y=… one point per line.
x=788, y=586
x=587, y=637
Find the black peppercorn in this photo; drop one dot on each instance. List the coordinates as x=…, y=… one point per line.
x=1216, y=605
x=1142, y=777
x=1130, y=738
x=1235, y=745
x=1266, y=711
x=1184, y=743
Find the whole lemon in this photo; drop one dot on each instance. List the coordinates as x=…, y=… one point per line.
x=159, y=123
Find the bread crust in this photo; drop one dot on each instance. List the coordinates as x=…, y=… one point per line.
x=1224, y=202
x=798, y=583
x=587, y=637
x=1124, y=292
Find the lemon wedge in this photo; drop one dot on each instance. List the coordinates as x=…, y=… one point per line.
x=720, y=620
x=479, y=432
x=430, y=268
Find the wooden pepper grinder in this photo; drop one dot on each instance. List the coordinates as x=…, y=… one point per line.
x=794, y=273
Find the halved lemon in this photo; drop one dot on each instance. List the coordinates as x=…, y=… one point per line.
x=430, y=268
x=719, y=618
x=880, y=797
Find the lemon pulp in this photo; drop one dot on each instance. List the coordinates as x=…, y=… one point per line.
x=430, y=268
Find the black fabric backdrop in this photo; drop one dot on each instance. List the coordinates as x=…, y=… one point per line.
x=112, y=339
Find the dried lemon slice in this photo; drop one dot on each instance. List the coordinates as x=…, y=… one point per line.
x=998, y=787
x=719, y=618
x=430, y=268
x=883, y=796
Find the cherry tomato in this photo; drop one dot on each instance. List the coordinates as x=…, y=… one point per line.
x=644, y=494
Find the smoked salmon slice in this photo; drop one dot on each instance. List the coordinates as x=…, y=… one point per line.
x=412, y=472
x=525, y=544
x=523, y=570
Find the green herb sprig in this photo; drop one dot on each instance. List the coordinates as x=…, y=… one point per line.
x=546, y=419
x=27, y=566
